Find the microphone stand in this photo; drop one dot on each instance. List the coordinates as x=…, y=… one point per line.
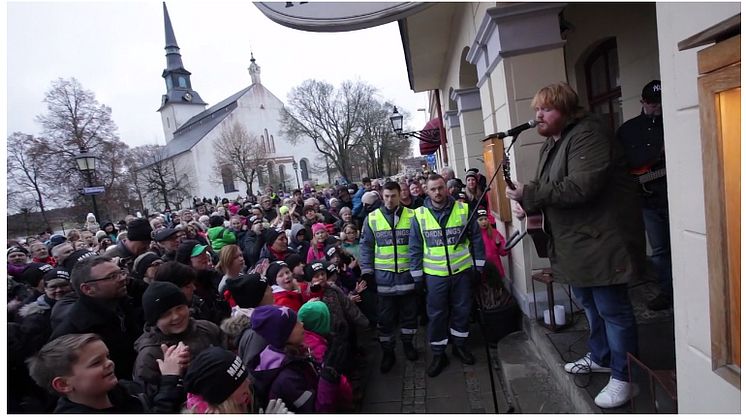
x=489, y=185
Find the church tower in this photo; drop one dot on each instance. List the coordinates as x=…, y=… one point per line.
x=180, y=102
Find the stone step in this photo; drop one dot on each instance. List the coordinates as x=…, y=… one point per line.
x=528, y=381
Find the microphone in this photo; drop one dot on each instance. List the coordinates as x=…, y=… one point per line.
x=516, y=130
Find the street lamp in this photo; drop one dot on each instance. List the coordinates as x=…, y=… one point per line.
x=426, y=135
x=295, y=167
x=87, y=165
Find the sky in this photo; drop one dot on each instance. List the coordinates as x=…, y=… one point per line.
x=116, y=49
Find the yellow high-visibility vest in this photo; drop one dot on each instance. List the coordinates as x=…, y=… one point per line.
x=442, y=256
x=392, y=243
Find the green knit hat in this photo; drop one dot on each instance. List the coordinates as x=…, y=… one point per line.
x=315, y=317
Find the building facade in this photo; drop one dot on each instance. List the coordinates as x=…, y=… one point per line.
x=487, y=60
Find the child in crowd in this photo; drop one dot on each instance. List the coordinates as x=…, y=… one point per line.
x=350, y=238
x=298, y=240
x=231, y=263
x=244, y=294
x=77, y=367
x=167, y=321
x=218, y=382
x=286, y=369
x=318, y=242
x=494, y=242
x=345, y=315
x=316, y=320
x=297, y=265
x=285, y=289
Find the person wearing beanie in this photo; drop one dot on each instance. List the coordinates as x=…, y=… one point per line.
x=318, y=242
x=32, y=276
x=111, y=231
x=297, y=265
x=219, y=234
x=275, y=245
x=219, y=382
x=146, y=266
x=286, y=290
x=185, y=277
x=316, y=320
x=245, y=293
x=74, y=258
x=137, y=242
x=36, y=315
x=196, y=255
x=473, y=192
x=285, y=369
x=17, y=260
x=168, y=322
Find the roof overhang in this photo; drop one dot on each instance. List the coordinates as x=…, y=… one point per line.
x=426, y=38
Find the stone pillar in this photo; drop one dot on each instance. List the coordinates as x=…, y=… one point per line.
x=472, y=128
x=455, y=147
x=517, y=50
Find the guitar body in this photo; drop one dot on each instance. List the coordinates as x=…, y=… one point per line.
x=534, y=222
x=535, y=229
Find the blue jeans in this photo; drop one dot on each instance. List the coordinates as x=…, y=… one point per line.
x=613, y=329
x=656, y=227
x=448, y=309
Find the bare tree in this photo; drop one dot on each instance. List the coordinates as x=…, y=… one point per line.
x=330, y=118
x=74, y=120
x=25, y=172
x=241, y=153
x=162, y=182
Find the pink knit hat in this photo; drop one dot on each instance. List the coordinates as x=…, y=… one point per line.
x=317, y=227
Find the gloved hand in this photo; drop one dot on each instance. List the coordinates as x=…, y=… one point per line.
x=276, y=407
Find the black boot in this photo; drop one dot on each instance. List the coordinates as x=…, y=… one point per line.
x=439, y=362
x=409, y=351
x=463, y=353
x=388, y=360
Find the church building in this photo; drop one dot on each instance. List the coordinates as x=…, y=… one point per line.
x=191, y=131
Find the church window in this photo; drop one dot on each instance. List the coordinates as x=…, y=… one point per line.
x=283, y=180
x=603, y=84
x=272, y=139
x=269, y=144
x=304, y=169
x=264, y=145
x=169, y=83
x=182, y=81
x=228, y=183
x=168, y=122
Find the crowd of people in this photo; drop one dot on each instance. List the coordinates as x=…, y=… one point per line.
x=259, y=304
x=242, y=305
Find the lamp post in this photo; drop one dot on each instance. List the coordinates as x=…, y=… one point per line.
x=426, y=135
x=295, y=167
x=87, y=165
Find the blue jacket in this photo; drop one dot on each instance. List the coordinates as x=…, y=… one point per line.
x=415, y=239
x=357, y=202
x=387, y=282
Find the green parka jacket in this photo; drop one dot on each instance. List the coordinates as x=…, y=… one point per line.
x=591, y=207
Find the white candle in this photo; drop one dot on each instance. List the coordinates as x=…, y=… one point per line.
x=559, y=315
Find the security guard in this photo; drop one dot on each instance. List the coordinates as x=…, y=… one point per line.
x=384, y=251
x=447, y=267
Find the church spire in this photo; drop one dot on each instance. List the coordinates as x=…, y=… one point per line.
x=178, y=80
x=173, y=56
x=255, y=71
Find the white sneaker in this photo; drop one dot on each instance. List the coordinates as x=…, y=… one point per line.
x=615, y=394
x=585, y=365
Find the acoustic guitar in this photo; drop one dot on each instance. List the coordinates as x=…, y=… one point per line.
x=534, y=222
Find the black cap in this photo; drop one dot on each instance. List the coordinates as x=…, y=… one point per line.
x=313, y=267
x=160, y=297
x=294, y=260
x=164, y=234
x=139, y=230
x=652, y=92
x=33, y=273
x=247, y=290
x=76, y=257
x=215, y=374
